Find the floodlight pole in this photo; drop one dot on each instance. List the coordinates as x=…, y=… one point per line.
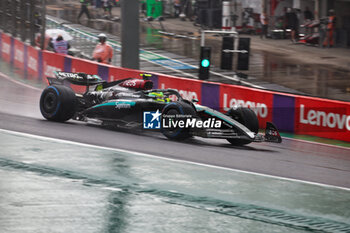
x=130, y=34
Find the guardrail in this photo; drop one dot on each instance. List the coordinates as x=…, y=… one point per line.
x=291, y=113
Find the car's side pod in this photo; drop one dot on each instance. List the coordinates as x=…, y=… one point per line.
x=272, y=134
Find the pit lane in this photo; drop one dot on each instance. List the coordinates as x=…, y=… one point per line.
x=27, y=161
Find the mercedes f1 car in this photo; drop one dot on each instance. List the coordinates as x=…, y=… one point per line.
x=132, y=103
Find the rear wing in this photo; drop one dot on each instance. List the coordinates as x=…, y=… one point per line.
x=81, y=79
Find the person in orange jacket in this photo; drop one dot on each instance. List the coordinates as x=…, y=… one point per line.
x=103, y=52
x=329, y=41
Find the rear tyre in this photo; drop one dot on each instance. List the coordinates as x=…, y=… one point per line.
x=176, y=108
x=246, y=117
x=58, y=103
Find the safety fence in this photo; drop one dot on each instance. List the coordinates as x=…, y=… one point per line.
x=291, y=113
x=23, y=18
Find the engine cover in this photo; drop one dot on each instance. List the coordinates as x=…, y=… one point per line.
x=138, y=84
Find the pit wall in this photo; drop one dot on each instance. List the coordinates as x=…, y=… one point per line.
x=290, y=113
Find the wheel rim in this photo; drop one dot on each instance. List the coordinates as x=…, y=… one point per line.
x=172, y=131
x=50, y=102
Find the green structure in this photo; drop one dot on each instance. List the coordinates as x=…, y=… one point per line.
x=154, y=8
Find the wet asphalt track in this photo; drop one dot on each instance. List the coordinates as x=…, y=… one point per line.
x=291, y=159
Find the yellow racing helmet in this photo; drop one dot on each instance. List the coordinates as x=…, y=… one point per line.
x=159, y=96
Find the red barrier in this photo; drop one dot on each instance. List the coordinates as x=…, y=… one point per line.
x=18, y=54
x=322, y=118
x=313, y=116
x=259, y=101
x=51, y=62
x=80, y=65
x=33, y=62
x=117, y=73
x=187, y=90
x=6, y=47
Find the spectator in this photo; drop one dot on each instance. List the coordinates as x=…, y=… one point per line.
x=107, y=7
x=264, y=25
x=187, y=9
x=60, y=46
x=84, y=9
x=329, y=40
x=177, y=8
x=292, y=23
x=103, y=52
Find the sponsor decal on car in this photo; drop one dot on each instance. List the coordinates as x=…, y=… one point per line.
x=117, y=104
x=68, y=75
x=120, y=105
x=130, y=83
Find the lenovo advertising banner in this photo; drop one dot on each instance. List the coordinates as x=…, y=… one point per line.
x=117, y=73
x=32, y=63
x=291, y=113
x=51, y=62
x=188, y=89
x=6, y=47
x=84, y=66
x=259, y=101
x=322, y=118
x=19, y=49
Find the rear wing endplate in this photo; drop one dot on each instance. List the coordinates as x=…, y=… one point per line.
x=81, y=79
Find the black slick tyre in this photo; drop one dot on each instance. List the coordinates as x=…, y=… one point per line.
x=173, y=109
x=58, y=103
x=246, y=117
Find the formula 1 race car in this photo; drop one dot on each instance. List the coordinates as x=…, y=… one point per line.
x=132, y=103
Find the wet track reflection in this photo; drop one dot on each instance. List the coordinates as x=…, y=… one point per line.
x=72, y=187
x=51, y=186
x=54, y=186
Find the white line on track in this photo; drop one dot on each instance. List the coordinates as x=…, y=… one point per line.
x=168, y=159
x=317, y=143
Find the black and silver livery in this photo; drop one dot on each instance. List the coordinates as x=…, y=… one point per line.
x=123, y=103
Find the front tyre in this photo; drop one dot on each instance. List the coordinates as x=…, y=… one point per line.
x=58, y=103
x=246, y=117
x=173, y=109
